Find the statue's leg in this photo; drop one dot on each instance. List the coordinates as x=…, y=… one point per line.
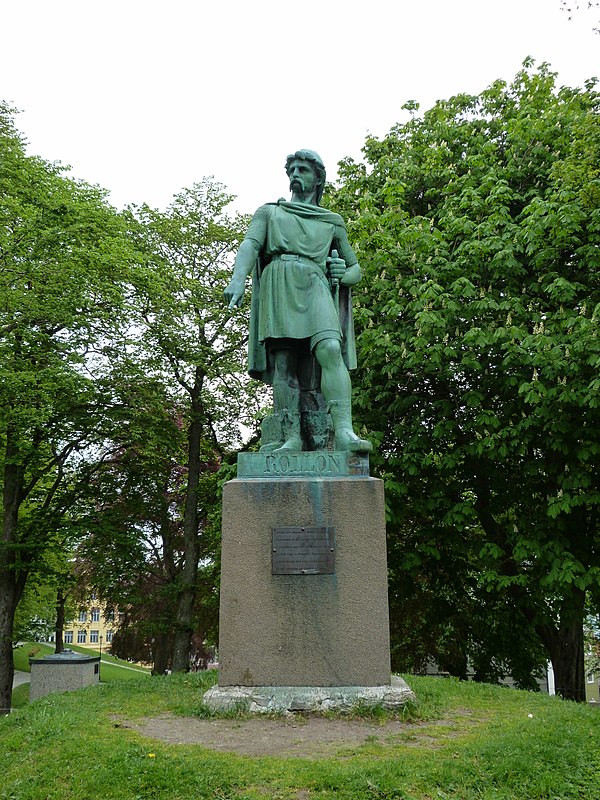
x=336, y=389
x=286, y=397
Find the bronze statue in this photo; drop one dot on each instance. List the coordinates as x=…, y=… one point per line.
x=301, y=329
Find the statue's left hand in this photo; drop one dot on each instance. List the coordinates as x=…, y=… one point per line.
x=336, y=266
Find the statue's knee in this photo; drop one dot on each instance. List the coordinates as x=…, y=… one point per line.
x=328, y=352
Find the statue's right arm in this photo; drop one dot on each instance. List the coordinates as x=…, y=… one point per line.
x=244, y=263
x=247, y=255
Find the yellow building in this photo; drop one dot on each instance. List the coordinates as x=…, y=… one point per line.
x=94, y=625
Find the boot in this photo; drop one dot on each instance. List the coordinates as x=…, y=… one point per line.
x=345, y=438
x=290, y=425
x=287, y=406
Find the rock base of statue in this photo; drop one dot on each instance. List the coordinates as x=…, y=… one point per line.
x=316, y=699
x=303, y=582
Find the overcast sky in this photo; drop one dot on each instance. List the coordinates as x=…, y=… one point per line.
x=144, y=98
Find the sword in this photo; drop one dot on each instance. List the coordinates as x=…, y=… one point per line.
x=335, y=287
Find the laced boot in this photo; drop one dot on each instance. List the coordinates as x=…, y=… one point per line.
x=345, y=438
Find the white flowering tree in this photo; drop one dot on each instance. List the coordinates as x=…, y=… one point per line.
x=478, y=227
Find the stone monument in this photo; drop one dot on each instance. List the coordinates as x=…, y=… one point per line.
x=62, y=672
x=304, y=610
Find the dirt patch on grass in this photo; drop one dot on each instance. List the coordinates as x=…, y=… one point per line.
x=301, y=737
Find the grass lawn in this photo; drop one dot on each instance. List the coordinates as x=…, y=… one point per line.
x=472, y=742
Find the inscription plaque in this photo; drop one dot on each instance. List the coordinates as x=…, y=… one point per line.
x=303, y=551
x=321, y=464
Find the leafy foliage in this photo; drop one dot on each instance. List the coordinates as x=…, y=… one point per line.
x=120, y=394
x=182, y=399
x=64, y=256
x=184, y=336
x=478, y=226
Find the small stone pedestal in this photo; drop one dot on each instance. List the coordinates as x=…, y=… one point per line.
x=304, y=606
x=62, y=672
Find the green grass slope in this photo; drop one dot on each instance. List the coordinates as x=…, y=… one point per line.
x=472, y=742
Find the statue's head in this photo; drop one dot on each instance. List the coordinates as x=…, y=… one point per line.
x=314, y=159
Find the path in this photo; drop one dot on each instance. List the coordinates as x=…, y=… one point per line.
x=122, y=666
x=21, y=677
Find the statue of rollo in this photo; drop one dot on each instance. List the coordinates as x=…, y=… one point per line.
x=301, y=329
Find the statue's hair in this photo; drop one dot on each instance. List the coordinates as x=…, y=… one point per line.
x=314, y=159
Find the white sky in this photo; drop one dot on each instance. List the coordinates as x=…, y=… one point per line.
x=145, y=97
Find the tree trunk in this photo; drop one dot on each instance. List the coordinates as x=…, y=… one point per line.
x=60, y=621
x=8, y=605
x=189, y=573
x=565, y=646
x=160, y=653
x=12, y=583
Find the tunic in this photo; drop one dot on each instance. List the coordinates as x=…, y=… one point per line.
x=292, y=297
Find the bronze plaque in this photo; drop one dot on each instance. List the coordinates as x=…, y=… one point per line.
x=303, y=551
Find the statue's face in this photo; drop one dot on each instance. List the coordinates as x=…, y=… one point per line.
x=303, y=178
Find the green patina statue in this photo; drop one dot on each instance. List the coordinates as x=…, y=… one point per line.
x=301, y=330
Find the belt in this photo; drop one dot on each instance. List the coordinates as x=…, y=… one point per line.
x=297, y=258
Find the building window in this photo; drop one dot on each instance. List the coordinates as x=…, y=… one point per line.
x=590, y=677
x=109, y=616
x=81, y=637
x=109, y=636
x=94, y=596
x=83, y=616
x=95, y=615
x=94, y=637
x=68, y=637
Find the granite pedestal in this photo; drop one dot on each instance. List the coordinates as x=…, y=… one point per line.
x=319, y=628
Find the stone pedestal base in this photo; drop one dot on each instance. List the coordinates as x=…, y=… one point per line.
x=282, y=699
x=312, y=629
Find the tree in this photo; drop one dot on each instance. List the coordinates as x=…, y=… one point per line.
x=478, y=226
x=186, y=351
x=131, y=547
x=63, y=256
x=34, y=618
x=440, y=613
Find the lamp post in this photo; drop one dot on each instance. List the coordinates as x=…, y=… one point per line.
x=100, y=640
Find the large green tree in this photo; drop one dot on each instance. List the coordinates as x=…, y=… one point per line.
x=186, y=342
x=478, y=225
x=132, y=548
x=63, y=256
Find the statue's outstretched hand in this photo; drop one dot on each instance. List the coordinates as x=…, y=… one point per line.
x=234, y=293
